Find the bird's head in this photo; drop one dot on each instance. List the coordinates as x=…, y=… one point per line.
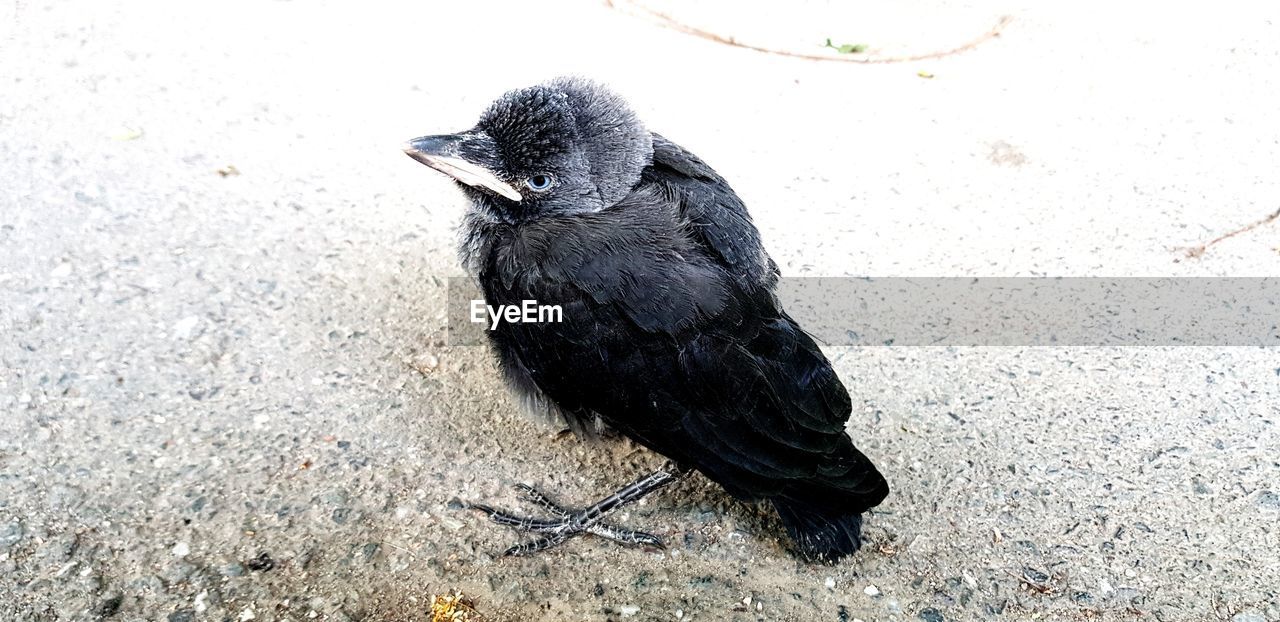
x=566, y=146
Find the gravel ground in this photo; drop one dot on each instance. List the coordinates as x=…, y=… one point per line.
x=226, y=393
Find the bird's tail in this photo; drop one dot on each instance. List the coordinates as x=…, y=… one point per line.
x=819, y=533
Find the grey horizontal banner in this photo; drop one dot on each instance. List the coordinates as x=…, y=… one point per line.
x=997, y=311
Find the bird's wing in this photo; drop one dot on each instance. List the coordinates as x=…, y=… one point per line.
x=718, y=217
x=770, y=412
x=767, y=405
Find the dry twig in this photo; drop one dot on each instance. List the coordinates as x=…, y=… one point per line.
x=1196, y=252
x=674, y=24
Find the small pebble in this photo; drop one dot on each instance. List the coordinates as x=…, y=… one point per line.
x=183, y=328
x=830, y=583
x=181, y=549
x=929, y=614
x=261, y=563
x=1034, y=576
x=109, y=606
x=628, y=610
x=871, y=590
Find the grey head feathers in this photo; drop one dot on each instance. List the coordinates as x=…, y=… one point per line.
x=577, y=130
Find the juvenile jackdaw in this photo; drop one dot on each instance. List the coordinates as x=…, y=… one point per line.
x=671, y=332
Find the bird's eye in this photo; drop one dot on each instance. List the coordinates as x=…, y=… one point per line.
x=540, y=182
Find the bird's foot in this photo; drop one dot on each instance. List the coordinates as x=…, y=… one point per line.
x=565, y=524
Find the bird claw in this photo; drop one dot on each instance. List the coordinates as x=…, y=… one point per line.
x=565, y=525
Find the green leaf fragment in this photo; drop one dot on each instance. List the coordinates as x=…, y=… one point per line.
x=847, y=48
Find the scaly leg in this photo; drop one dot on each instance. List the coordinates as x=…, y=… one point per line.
x=567, y=524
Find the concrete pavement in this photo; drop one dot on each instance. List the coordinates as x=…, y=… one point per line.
x=226, y=394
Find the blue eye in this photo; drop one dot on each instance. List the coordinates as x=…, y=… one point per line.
x=539, y=182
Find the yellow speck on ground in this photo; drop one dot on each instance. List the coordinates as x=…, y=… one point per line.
x=453, y=608
x=126, y=133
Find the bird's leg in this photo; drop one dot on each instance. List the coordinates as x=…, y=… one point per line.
x=533, y=495
x=567, y=523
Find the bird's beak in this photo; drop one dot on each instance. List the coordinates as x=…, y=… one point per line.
x=459, y=156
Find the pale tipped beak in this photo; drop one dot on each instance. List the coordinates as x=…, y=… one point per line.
x=444, y=153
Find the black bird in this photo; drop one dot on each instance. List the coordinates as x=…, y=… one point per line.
x=671, y=335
